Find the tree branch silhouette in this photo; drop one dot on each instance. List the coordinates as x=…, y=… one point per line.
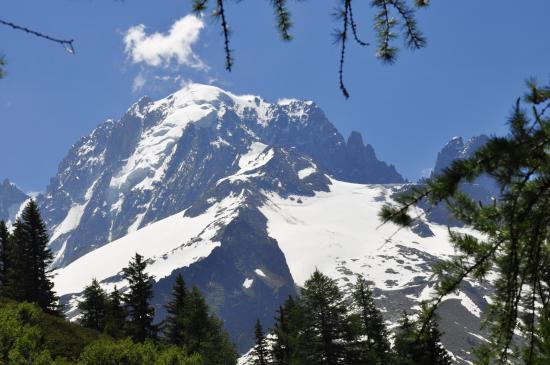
x=66, y=43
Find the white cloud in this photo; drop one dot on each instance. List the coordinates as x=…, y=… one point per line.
x=139, y=82
x=164, y=49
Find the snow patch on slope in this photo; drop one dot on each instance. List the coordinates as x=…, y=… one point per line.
x=257, y=156
x=340, y=232
x=71, y=221
x=173, y=242
x=302, y=174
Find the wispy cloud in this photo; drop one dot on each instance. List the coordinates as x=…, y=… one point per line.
x=139, y=82
x=165, y=49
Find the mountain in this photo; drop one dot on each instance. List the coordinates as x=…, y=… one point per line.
x=11, y=200
x=162, y=155
x=245, y=198
x=483, y=189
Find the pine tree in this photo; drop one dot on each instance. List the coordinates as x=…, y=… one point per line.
x=260, y=352
x=4, y=248
x=203, y=333
x=137, y=300
x=28, y=277
x=406, y=346
x=542, y=340
x=288, y=322
x=93, y=307
x=515, y=227
x=435, y=353
x=414, y=346
x=174, y=324
x=325, y=318
x=373, y=329
x=197, y=323
x=115, y=319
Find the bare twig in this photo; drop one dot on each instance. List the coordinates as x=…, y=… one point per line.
x=66, y=43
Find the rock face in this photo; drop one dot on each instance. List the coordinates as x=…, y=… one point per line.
x=160, y=156
x=245, y=198
x=483, y=189
x=11, y=199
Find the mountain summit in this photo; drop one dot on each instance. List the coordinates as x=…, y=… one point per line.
x=245, y=199
x=162, y=155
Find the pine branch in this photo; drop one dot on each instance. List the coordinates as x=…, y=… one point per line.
x=354, y=25
x=67, y=44
x=199, y=5
x=220, y=12
x=384, y=25
x=455, y=284
x=415, y=39
x=283, y=18
x=343, y=39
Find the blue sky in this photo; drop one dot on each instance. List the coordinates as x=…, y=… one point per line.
x=464, y=83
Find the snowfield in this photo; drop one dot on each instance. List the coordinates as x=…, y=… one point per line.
x=339, y=233
x=170, y=243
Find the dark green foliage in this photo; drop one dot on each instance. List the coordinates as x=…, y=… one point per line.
x=28, y=334
x=321, y=327
x=28, y=277
x=204, y=333
x=413, y=347
x=105, y=352
x=372, y=330
x=4, y=248
x=190, y=325
x=115, y=319
x=93, y=307
x=516, y=230
x=260, y=352
x=288, y=324
x=324, y=313
x=282, y=15
x=137, y=300
x=174, y=324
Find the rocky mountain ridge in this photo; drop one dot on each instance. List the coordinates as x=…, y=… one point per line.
x=245, y=198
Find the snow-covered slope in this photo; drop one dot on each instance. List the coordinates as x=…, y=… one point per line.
x=170, y=243
x=245, y=198
x=343, y=237
x=162, y=155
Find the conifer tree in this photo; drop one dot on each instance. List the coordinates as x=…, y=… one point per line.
x=288, y=322
x=115, y=319
x=435, y=353
x=542, y=340
x=137, y=300
x=406, y=346
x=28, y=277
x=203, y=333
x=93, y=307
x=373, y=329
x=174, y=324
x=322, y=341
x=197, y=323
x=414, y=346
x=260, y=352
x=4, y=238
